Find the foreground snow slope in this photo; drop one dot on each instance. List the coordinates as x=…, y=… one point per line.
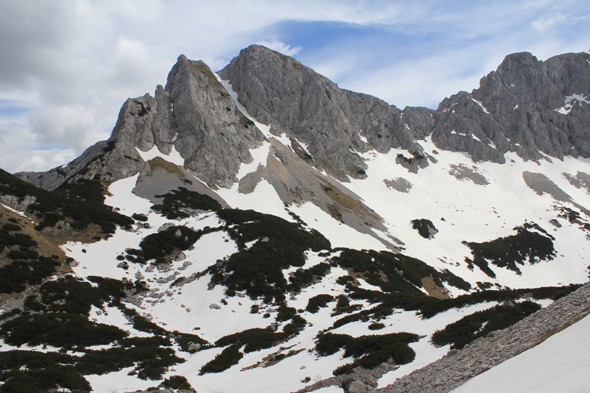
x=559, y=364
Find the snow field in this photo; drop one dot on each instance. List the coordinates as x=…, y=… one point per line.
x=174, y=156
x=483, y=212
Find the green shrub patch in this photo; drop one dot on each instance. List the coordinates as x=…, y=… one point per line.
x=15, y=277
x=331, y=343
x=10, y=227
x=481, y=323
x=60, y=319
x=429, y=306
x=59, y=330
x=425, y=228
x=344, y=369
x=250, y=225
x=161, y=244
x=369, y=351
x=177, y=382
x=185, y=340
x=15, y=239
x=399, y=270
x=74, y=296
x=81, y=201
x=149, y=356
x=176, y=202
x=376, y=326
x=143, y=325
x=258, y=270
x=507, y=252
x=227, y=358
x=253, y=339
x=314, y=303
x=150, y=359
x=304, y=277
x=36, y=372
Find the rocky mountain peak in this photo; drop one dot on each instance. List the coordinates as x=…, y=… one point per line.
x=333, y=123
x=526, y=106
x=213, y=136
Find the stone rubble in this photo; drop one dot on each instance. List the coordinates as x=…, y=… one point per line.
x=457, y=367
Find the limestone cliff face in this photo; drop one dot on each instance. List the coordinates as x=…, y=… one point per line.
x=194, y=114
x=527, y=106
x=214, y=137
x=294, y=99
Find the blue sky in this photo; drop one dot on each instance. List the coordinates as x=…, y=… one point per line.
x=67, y=66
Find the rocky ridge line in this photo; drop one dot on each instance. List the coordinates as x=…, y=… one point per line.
x=457, y=367
x=533, y=108
x=521, y=107
x=335, y=124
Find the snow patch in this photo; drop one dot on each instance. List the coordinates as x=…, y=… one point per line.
x=174, y=156
x=559, y=364
x=480, y=104
x=570, y=102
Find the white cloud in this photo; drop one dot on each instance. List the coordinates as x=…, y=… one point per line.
x=545, y=22
x=423, y=82
x=280, y=47
x=66, y=125
x=20, y=150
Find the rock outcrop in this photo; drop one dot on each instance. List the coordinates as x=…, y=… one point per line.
x=194, y=114
x=333, y=123
x=214, y=137
x=527, y=106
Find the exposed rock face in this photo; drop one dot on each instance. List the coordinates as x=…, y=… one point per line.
x=521, y=107
x=142, y=122
x=194, y=114
x=159, y=176
x=214, y=137
x=332, y=122
x=53, y=178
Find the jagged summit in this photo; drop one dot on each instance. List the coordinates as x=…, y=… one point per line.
x=526, y=106
x=335, y=124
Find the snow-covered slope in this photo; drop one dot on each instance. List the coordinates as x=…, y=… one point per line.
x=465, y=206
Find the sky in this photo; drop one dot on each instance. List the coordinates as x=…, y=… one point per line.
x=67, y=66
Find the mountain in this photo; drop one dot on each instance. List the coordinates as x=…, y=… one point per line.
x=260, y=229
